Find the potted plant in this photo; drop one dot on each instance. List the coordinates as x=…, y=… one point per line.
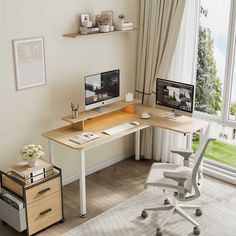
x=103, y=22
x=31, y=153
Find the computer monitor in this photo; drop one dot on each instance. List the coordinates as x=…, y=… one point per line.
x=102, y=89
x=175, y=97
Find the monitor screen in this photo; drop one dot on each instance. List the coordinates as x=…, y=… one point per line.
x=101, y=89
x=175, y=95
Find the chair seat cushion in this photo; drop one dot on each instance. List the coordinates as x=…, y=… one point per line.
x=156, y=177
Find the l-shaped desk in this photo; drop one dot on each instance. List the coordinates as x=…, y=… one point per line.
x=113, y=115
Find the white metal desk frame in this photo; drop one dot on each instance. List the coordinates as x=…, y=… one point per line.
x=82, y=172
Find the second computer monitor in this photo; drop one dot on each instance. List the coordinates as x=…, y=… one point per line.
x=175, y=97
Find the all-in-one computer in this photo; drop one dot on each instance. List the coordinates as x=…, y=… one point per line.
x=174, y=97
x=102, y=89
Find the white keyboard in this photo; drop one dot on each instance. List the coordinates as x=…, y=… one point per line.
x=119, y=128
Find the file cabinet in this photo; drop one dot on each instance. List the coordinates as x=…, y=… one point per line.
x=42, y=203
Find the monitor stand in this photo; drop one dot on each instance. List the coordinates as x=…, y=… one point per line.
x=173, y=116
x=100, y=109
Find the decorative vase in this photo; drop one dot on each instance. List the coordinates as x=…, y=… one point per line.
x=32, y=162
x=104, y=28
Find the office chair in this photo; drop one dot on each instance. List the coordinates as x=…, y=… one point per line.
x=183, y=180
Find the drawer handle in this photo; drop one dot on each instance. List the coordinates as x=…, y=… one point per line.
x=44, y=190
x=45, y=212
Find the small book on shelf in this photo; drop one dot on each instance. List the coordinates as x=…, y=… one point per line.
x=84, y=137
x=24, y=171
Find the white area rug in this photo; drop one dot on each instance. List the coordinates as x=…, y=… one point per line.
x=219, y=215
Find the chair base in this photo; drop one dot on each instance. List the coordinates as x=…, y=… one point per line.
x=172, y=207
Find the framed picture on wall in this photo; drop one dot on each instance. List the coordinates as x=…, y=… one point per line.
x=29, y=62
x=110, y=13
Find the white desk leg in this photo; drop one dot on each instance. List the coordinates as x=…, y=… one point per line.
x=137, y=145
x=189, y=141
x=82, y=185
x=51, y=151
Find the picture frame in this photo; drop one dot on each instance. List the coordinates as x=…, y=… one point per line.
x=84, y=17
x=29, y=58
x=110, y=13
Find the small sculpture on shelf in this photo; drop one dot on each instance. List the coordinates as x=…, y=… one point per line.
x=31, y=153
x=103, y=22
x=121, y=19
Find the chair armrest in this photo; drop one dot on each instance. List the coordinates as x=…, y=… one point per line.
x=186, y=153
x=179, y=177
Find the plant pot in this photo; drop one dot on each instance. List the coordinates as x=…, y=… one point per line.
x=32, y=163
x=104, y=28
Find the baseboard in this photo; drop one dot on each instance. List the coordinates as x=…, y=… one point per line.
x=97, y=167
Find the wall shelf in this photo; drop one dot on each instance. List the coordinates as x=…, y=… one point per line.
x=75, y=35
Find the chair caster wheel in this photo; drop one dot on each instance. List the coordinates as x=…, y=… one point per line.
x=198, y=212
x=196, y=230
x=166, y=202
x=159, y=232
x=144, y=214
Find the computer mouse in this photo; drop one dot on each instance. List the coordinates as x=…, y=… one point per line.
x=135, y=122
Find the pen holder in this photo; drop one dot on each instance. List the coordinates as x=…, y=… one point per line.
x=75, y=114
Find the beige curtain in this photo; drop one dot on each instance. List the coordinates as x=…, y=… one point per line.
x=160, y=23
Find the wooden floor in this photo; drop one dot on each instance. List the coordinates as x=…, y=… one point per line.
x=105, y=189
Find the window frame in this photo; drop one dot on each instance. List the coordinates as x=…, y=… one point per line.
x=228, y=74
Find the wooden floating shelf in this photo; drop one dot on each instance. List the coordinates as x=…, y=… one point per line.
x=75, y=35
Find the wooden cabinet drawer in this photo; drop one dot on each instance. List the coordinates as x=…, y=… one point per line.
x=12, y=185
x=41, y=191
x=44, y=212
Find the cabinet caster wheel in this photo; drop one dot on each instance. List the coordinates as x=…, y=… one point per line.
x=159, y=232
x=198, y=212
x=196, y=230
x=144, y=214
x=62, y=221
x=166, y=202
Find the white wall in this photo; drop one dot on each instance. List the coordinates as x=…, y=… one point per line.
x=26, y=114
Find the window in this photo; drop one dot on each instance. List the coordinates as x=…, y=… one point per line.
x=212, y=53
x=215, y=98
x=222, y=151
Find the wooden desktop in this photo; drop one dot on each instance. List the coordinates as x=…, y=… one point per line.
x=115, y=114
